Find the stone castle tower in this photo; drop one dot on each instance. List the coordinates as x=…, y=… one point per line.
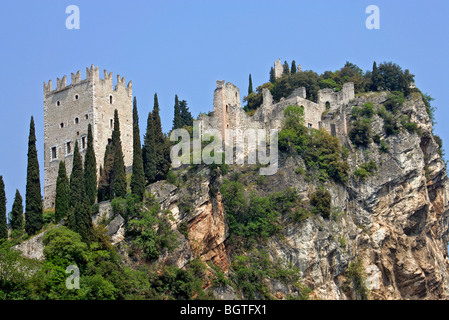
x=69, y=109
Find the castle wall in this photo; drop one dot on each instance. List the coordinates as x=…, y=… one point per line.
x=69, y=109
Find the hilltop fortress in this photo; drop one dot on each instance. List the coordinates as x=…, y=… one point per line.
x=228, y=112
x=69, y=109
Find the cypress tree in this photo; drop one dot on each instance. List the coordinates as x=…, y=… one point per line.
x=177, y=121
x=104, y=183
x=293, y=69
x=16, y=215
x=149, y=152
x=34, y=219
x=79, y=219
x=272, y=77
x=3, y=226
x=90, y=168
x=160, y=145
x=62, y=193
x=286, y=68
x=374, y=77
x=138, y=176
x=118, y=177
x=186, y=116
x=250, y=86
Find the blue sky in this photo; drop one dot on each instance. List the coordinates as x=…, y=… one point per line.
x=183, y=47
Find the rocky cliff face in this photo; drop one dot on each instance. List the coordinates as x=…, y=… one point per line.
x=387, y=238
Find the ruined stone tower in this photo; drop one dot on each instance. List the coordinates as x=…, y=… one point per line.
x=69, y=109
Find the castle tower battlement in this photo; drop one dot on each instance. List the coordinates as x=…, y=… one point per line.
x=92, y=74
x=69, y=109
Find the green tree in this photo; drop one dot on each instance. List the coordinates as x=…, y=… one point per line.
x=118, y=172
x=62, y=193
x=16, y=215
x=293, y=69
x=286, y=68
x=161, y=147
x=374, y=77
x=186, y=116
x=138, y=176
x=177, y=121
x=79, y=219
x=104, y=183
x=250, y=86
x=272, y=77
x=3, y=226
x=90, y=168
x=34, y=218
x=148, y=150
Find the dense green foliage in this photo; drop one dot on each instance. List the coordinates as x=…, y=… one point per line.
x=320, y=150
x=138, y=176
x=34, y=219
x=186, y=116
x=148, y=150
x=62, y=193
x=90, y=168
x=147, y=226
x=16, y=218
x=3, y=225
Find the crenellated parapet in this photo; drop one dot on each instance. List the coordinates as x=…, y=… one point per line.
x=92, y=74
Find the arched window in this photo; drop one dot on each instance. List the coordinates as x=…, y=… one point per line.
x=110, y=99
x=77, y=120
x=76, y=97
x=328, y=105
x=227, y=109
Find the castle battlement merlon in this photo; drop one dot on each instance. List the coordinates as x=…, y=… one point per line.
x=92, y=74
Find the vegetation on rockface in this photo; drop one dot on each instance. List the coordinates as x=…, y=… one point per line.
x=357, y=275
x=147, y=227
x=250, y=272
x=319, y=149
x=365, y=170
x=34, y=219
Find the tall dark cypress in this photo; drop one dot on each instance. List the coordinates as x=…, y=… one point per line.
x=118, y=177
x=250, y=86
x=16, y=215
x=293, y=69
x=148, y=149
x=79, y=219
x=272, y=77
x=34, y=219
x=286, y=68
x=186, y=116
x=374, y=77
x=104, y=183
x=138, y=176
x=177, y=121
x=90, y=168
x=62, y=193
x=160, y=145
x=3, y=226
